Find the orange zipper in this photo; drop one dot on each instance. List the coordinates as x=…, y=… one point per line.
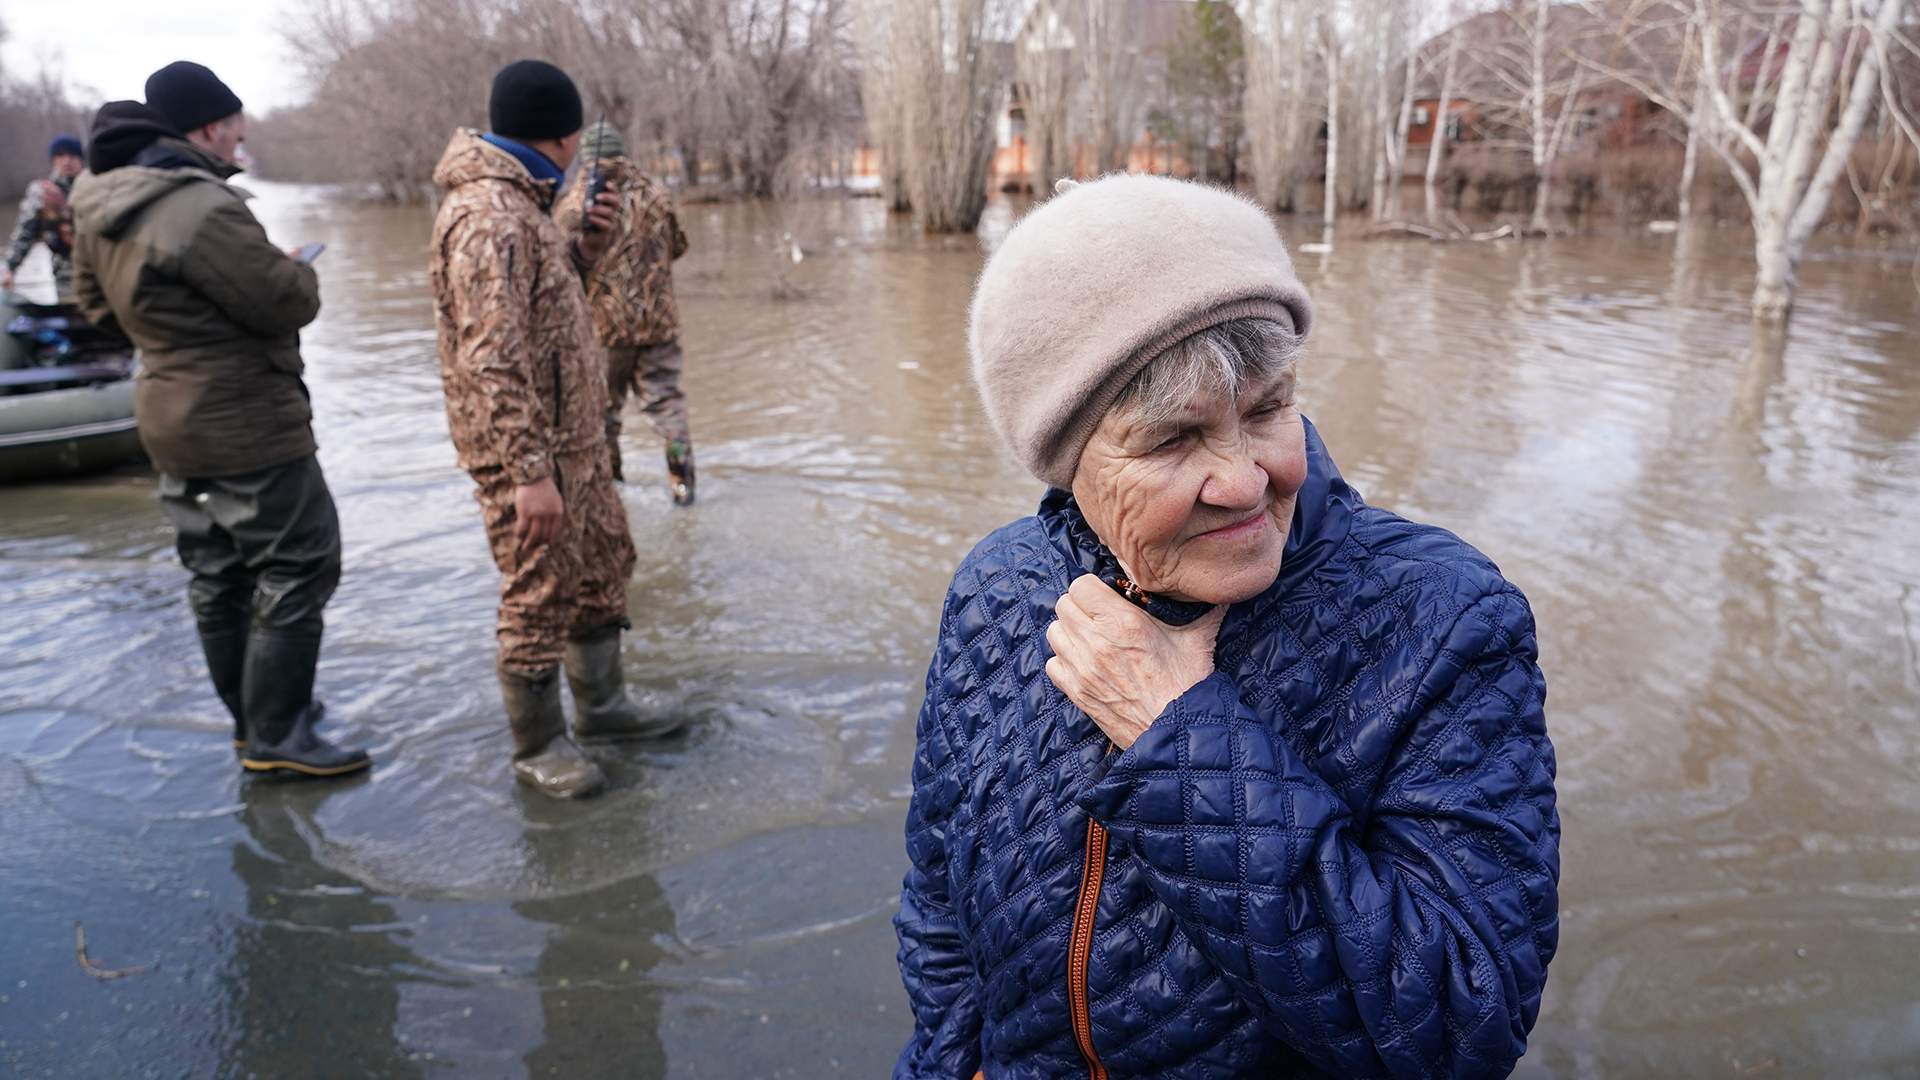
x=1080, y=946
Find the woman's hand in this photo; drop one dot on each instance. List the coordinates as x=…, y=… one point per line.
x=1119, y=664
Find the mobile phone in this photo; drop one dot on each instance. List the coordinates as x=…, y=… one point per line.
x=308, y=253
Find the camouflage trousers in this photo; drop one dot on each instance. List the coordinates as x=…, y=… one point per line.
x=574, y=585
x=652, y=374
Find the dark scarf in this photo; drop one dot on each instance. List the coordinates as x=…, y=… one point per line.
x=542, y=168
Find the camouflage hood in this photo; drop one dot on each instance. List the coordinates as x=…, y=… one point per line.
x=470, y=159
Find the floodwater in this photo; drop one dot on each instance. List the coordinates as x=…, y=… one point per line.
x=1720, y=533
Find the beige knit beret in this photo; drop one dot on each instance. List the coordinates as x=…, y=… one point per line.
x=1103, y=278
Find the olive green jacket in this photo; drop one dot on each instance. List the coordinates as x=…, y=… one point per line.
x=175, y=258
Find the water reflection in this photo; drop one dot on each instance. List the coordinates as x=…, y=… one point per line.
x=317, y=962
x=601, y=1013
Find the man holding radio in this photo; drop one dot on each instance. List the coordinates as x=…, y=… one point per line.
x=631, y=291
x=166, y=250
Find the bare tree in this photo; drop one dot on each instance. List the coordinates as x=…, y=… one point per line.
x=32, y=110
x=760, y=91
x=1328, y=41
x=1788, y=189
x=1396, y=65
x=1787, y=146
x=1279, y=34
x=1442, y=121
x=949, y=60
x=1049, y=76
x=1115, y=94
x=1535, y=61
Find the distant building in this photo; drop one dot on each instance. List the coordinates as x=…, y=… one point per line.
x=1484, y=107
x=1150, y=31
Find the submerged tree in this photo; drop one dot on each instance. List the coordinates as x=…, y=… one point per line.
x=1780, y=97
x=1533, y=64
x=1206, y=89
x=1049, y=76
x=745, y=92
x=948, y=65
x=1279, y=92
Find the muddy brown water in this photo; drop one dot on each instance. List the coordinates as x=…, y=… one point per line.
x=1719, y=531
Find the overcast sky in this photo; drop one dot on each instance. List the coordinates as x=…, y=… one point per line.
x=110, y=46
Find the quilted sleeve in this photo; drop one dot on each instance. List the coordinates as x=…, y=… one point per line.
x=941, y=987
x=1408, y=937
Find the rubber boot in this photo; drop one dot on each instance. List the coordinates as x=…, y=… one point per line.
x=680, y=472
x=281, y=713
x=543, y=756
x=225, y=648
x=601, y=705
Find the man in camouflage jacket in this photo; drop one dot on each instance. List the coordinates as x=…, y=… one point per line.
x=46, y=218
x=526, y=404
x=631, y=291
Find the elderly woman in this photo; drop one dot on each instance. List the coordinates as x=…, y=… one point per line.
x=1221, y=772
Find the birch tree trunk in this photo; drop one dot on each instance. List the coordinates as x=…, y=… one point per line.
x=1792, y=192
x=1277, y=35
x=1442, y=120
x=1403, y=120
x=1047, y=68
x=1331, y=46
x=1112, y=90
x=1690, y=164
x=1537, y=107
x=1786, y=174
x=1294, y=131
x=883, y=101
x=1381, y=128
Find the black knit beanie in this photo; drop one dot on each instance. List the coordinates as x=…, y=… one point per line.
x=190, y=95
x=532, y=99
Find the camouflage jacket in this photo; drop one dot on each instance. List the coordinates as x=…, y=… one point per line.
x=524, y=377
x=632, y=288
x=45, y=217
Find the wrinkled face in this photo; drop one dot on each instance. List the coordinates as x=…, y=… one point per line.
x=68, y=165
x=222, y=138
x=1197, y=507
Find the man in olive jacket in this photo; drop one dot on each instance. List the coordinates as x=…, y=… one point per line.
x=168, y=251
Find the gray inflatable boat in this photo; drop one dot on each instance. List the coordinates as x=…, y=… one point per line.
x=66, y=394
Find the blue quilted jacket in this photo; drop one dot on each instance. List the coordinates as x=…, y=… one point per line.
x=1336, y=856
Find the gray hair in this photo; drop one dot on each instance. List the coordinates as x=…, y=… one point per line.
x=1224, y=358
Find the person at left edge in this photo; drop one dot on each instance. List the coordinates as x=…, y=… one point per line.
x=526, y=390
x=166, y=249
x=47, y=218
